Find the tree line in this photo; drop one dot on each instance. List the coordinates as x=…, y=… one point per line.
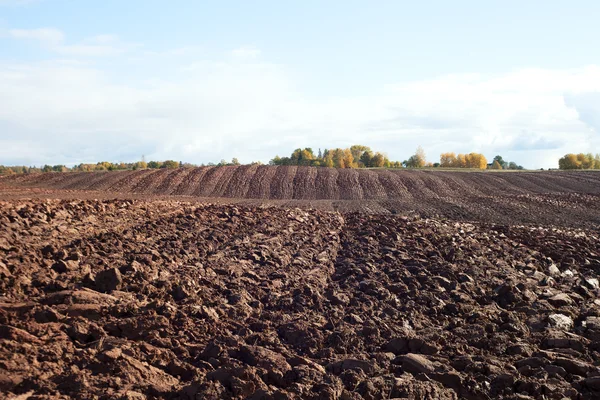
x=357, y=156
x=110, y=166
x=579, y=161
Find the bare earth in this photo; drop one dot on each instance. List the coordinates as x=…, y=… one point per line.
x=532, y=198
x=296, y=282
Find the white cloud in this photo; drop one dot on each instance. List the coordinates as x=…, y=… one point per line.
x=89, y=50
x=183, y=51
x=54, y=40
x=246, y=52
x=241, y=106
x=587, y=106
x=47, y=36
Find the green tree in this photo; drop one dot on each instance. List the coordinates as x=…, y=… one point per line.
x=514, y=165
x=501, y=161
x=302, y=156
x=170, y=164
x=140, y=165
x=496, y=164
x=329, y=162
x=357, y=151
x=418, y=159
x=338, y=158
x=378, y=160
x=366, y=159
x=569, y=161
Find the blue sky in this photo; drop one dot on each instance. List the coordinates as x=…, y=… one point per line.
x=82, y=81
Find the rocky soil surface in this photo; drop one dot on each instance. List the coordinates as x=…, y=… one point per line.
x=133, y=299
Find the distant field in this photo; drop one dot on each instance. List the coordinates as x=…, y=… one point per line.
x=565, y=198
x=309, y=183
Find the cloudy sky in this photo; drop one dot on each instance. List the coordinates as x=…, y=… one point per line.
x=201, y=81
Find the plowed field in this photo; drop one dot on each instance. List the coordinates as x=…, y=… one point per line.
x=307, y=183
x=550, y=198
x=134, y=286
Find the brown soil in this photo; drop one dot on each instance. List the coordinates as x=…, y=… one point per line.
x=556, y=198
x=140, y=294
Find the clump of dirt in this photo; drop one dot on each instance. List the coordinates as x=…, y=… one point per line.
x=165, y=299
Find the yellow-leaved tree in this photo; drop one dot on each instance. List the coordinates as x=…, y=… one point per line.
x=471, y=160
x=496, y=165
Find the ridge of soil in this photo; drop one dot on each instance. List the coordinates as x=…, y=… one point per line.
x=557, y=198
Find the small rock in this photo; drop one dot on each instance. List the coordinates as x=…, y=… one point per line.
x=565, y=343
x=368, y=367
x=534, y=362
x=560, y=321
x=503, y=381
x=568, y=274
x=448, y=379
x=263, y=358
x=592, y=283
x=592, y=323
x=89, y=280
x=212, y=350
x=553, y=271
x=397, y=346
x=555, y=369
x=573, y=366
x=560, y=300
x=133, y=267
x=110, y=355
x=182, y=370
x=64, y=266
x=46, y=315
x=16, y=334
x=298, y=360
x=416, y=364
x=339, y=299
x=355, y=319
x=519, y=350
x=108, y=280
